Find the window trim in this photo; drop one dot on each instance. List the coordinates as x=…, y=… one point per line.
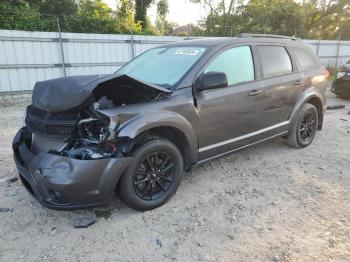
x=220, y=51
x=300, y=69
x=295, y=66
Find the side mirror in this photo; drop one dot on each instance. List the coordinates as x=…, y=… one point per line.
x=213, y=80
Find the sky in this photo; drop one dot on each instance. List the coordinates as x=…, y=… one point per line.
x=180, y=11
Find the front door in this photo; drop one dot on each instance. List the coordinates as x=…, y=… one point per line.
x=229, y=116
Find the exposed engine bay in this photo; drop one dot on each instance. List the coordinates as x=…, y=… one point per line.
x=76, y=128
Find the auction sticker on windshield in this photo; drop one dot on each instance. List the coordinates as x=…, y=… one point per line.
x=186, y=52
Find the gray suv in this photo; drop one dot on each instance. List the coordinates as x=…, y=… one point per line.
x=176, y=106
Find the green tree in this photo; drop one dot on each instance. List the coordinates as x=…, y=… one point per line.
x=93, y=16
x=326, y=19
x=126, y=19
x=95, y=9
x=162, y=25
x=273, y=17
x=19, y=15
x=56, y=7
x=222, y=19
x=163, y=8
x=321, y=19
x=141, y=7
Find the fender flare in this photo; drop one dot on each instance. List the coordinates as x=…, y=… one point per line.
x=143, y=122
x=304, y=97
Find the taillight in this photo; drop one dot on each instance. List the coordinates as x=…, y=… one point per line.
x=326, y=73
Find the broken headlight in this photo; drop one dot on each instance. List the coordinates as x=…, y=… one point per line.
x=92, y=151
x=93, y=131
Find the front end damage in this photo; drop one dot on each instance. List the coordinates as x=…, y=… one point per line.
x=341, y=85
x=69, y=154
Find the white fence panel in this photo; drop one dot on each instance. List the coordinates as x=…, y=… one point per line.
x=331, y=53
x=27, y=57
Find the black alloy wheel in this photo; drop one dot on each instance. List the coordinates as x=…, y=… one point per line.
x=304, y=127
x=308, y=127
x=154, y=176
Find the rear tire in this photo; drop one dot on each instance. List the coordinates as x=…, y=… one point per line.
x=304, y=128
x=154, y=175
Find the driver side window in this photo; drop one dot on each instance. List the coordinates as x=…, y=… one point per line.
x=237, y=63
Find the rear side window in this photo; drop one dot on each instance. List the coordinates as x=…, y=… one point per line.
x=275, y=60
x=305, y=59
x=237, y=63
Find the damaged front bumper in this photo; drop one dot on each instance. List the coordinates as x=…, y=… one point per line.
x=341, y=86
x=64, y=183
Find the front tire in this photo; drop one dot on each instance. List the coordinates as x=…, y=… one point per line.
x=304, y=128
x=154, y=175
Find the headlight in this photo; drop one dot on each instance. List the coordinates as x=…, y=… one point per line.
x=93, y=130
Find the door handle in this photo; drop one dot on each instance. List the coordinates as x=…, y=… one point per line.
x=254, y=92
x=298, y=82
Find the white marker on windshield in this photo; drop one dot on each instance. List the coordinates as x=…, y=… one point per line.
x=186, y=52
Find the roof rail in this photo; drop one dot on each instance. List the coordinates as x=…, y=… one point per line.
x=242, y=35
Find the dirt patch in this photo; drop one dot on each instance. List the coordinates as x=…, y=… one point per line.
x=14, y=100
x=266, y=203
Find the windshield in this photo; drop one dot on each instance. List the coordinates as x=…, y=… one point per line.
x=163, y=66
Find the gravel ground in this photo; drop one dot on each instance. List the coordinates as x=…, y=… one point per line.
x=266, y=203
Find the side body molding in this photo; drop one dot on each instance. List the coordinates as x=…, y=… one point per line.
x=162, y=118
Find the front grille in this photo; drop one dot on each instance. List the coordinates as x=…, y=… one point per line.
x=59, y=130
x=35, y=125
x=37, y=112
x=64, y=116
x=51, y=123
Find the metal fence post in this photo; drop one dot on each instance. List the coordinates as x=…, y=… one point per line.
x=337, y=54
x=318, y=47
x=132, y=46
x=61, y=48
x=338, y=48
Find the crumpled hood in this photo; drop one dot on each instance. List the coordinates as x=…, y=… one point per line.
x=70, y=92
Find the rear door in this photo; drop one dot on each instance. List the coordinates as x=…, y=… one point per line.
x=310, y=68
x=281, y=83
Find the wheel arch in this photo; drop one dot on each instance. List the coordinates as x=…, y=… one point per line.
x=171, y=126
x=311, y=96
x=319, y=107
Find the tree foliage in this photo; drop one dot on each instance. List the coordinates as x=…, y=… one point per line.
x=321, y=19
x=318, y=19
x=141, y=7
x=90, y=16
x=163, y=26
